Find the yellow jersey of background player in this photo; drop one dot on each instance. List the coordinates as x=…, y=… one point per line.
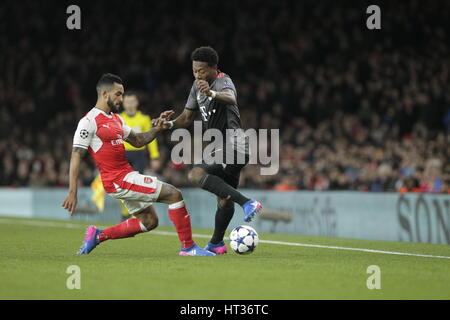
x=139, y=122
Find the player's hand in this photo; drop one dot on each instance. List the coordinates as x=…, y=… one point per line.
x=203, y=87
x=162, y=123
x=70, y=203
x=167, y=114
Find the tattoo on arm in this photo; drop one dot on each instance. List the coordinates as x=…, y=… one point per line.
x=132, y=139
x=79, y=150
x=141, y=139
x=148, y=136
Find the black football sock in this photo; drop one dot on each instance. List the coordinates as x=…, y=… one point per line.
x=222, y=189
x=223, y=218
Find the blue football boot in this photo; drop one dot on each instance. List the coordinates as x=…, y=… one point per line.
x=251, y=208
x=219, y=248
x=90, y=240
x=195, y=250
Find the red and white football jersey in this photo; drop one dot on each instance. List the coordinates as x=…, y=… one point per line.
x=103, y=135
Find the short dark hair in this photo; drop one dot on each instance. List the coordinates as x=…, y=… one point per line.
x=130, y=93
x=205, y=54
x=107, y=81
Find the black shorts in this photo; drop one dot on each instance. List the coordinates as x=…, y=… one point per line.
x=230, y=173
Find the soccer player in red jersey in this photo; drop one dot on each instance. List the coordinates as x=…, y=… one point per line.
x=102, y=133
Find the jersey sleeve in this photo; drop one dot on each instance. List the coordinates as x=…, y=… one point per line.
x=191, y=103
x=225, y=83
x=126, y=129
x=84, y=133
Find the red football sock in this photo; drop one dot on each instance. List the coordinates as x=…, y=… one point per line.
x=126, y=229
x=182, y=221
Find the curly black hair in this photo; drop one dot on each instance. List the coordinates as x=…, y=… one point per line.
x=205, y=54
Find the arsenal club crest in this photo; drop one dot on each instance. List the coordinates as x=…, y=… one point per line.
x=148, y=180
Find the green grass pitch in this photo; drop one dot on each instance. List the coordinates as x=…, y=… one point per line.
x=34, y=257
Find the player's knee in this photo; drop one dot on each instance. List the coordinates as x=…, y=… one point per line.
x=178, y=195
x=151, y=223
x=175, y=194
x=225, y=203
x=169, y=194
x=195, y=175
x=148, y=218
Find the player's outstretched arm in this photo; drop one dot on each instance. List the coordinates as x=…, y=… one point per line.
x=70, y=203
x=184, y=120
x=141, y=139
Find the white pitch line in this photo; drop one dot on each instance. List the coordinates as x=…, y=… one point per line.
x=353, y=249
x=167, y=233
x=42, y=223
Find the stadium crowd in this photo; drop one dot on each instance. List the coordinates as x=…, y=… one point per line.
x=357, y=109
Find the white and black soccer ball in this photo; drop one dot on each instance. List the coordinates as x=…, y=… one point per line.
x=244, y=239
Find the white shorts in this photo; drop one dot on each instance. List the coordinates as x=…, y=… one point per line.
x=137, y=191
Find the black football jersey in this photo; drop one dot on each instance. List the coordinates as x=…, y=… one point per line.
x=216, y=114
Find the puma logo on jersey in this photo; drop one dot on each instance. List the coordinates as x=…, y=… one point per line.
x=106, y=126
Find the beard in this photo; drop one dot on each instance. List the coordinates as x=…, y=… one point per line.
x=111, y=105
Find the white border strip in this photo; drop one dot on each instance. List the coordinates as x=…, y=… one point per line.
x=166, y=233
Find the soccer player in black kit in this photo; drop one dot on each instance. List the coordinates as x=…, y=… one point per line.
x=214, y=95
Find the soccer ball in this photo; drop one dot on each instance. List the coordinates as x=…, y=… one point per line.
x=243, y=239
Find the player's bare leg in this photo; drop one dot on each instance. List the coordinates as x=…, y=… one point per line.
x=220, y=188
x=181, y=219
x=148, y=218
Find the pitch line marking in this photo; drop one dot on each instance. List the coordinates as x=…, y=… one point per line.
x=167, y=233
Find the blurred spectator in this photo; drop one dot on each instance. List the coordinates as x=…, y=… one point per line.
x=357, y=109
